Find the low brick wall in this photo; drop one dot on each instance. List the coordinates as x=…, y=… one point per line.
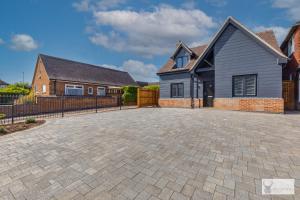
x=180, y=103
x=45, y=105
x=198, y=103
x=273, y=105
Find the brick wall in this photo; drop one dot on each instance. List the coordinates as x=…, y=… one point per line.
x=180, y=103
x=297, y=44
x=274, y=105
x=45, y=105
x=40, y=78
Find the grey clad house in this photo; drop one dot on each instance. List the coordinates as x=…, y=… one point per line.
x=236, y=70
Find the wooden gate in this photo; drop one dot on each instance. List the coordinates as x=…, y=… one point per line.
x=146, y=97
x=288, y=95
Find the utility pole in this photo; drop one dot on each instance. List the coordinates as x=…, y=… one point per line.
x=23, y=78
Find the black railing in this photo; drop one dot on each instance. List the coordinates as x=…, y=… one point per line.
x=14, y=108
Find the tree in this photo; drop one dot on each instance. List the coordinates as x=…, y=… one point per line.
x=16, y=89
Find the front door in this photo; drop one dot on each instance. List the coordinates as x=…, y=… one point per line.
x=208, y=93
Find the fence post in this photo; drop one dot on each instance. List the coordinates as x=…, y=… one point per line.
x=138, y=98
x=96, y=103
x=12, y=111
x=120, y=102
x=62, y=106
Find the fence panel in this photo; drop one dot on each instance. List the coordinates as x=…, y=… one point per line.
x=16, y=109
x=146, y=97
x=289, y=95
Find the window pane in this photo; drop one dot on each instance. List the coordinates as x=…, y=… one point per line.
x=185, y=61
x=180, y=90
x=101, y=92
x=250, y=85
x=179, y=62
x=76, y=92
x=238, y=86
x=173, y=90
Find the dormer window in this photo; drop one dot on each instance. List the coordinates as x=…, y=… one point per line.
x=182, y=61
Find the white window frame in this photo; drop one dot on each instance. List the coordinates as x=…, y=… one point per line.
x=44, y=88
x=74, y=86
x=92, y=92
x=98, y=93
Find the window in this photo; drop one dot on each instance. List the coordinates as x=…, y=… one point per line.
x=177, y=90
x=244, y=85
x=44, y=88
x=182, y=61
x=291, y=46
x=90, y=91
x=35, y=88
x=101, y=91
x=74, y=90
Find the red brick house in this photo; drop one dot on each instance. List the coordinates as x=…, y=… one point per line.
x=60, y=77
x=291, y=47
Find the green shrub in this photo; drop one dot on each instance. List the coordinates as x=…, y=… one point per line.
x=129, y=94
x=30, y=120
x=2, y=130
x=152, y=87
x=2, y=115
x=16, y=89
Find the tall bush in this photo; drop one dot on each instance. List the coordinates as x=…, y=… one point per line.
x=16, y=89
x=129, y=94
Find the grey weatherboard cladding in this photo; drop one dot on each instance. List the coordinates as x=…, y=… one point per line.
x=237, y=54
x=185, y=78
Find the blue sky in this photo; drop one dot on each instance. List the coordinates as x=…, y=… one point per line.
x=130, y=35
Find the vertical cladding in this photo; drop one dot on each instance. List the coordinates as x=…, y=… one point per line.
x=238, y=54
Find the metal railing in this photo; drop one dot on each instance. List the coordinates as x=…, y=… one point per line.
x=16, y=108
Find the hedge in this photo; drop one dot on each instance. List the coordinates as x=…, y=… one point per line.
x=129, y=94
x=152, y=87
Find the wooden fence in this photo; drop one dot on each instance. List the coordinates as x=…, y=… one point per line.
x=288, y=92
x=146, y=97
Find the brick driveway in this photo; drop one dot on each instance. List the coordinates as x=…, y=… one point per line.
x=151, y=154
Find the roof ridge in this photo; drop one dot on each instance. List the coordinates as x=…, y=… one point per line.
x=91, y=65
x=202, y=45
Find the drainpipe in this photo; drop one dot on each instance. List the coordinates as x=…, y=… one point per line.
x=192, y=91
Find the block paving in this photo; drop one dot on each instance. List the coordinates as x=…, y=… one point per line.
x=152, y=154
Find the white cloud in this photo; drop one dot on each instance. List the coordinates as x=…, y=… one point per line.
x=140, y=71
x=87, y=5
x=280, y=32
x=23, y=42
x=217, y=3
x=83, y=5
x=1, y=41
x=137, y=69
x=151, y=33
x=292, y=7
